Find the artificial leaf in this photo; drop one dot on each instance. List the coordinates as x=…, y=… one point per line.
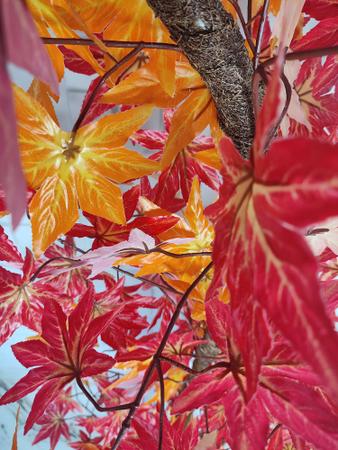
x=321, y=9
x=22, y=299
x=8, y=251
x=25, y=48
x=196, y=112
x=84, y=171
x=64, y=352
x=256, y=202
x=199, y=158
x=322, y=35
x=53, y=424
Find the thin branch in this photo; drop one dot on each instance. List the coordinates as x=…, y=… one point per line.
x=260, y=33
x=206, y=419
x=288, y=91
x=244, y=26
x=179, y=255
x=91, y=99
x=111, y=43
x=162, y=400
x=218, y=365
x=273, y=431
x=146, y=251
x=49, y=261
x=96, y=404
x=304, y=54
x=249, y=15
x=147, y=376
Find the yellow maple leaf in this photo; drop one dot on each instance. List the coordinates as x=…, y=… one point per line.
x=203, y=233
x=182, y=274
x=67, y=172
x=54, y=18
x=134, y=20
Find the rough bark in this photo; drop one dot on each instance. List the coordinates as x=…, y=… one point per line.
x=212, y=42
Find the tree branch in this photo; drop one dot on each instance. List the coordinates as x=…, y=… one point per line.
x=153, y=364
x=212, y=42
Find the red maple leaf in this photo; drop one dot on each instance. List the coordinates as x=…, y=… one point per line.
x=287, y=392
x=22, y=300
x=72, y=282
x=8, y=251
x=106, y=233
x=64, y=352
x=180, y=174
x=259, y=251
x=53, y=424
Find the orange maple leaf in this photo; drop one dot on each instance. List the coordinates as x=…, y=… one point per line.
x=67, y=171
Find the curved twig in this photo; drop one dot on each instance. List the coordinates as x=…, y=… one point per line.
x=260, y=33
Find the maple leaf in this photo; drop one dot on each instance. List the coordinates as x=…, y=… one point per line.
x=61, y=20
x=315, y=103
x=85, y=171
x=75, y=63
x=181, y=434
x=19, y=44
x=202, y=240
x=289, y=394
x=64, y=352
x=22, y=300
x=134, y=20
x=53, y=425
x=106, y=233
x=181, y=275
x=73, y=281
x=8, y=251
x=261, y=256
x=199, y=158
x=321, y=9
x=324, y=34
x=191, y=117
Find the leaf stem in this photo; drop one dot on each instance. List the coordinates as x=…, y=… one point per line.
x=46, y=263
x=96, y=404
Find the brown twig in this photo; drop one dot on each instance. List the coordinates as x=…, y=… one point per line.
x=244, y=26
x=91, y=98
x=205, y=409
x=249, y=15
x=111, y=43
x=146, y=251
x=260, y=33
x=162, y=400
x=304, y=54
x=46, y=263
x=96, y=404
x=131, y=274
x=273, y=431
x=288, y=91
x=219, y=365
